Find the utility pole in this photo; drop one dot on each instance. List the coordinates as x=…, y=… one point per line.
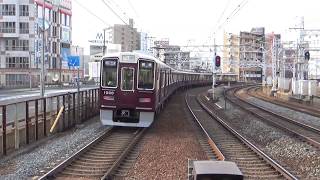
x=104, y=42
x=42, y=85
x=214, y=67
x=263, y=67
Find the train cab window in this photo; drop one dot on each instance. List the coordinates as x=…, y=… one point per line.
x=146, y=75
x=127, y=79
x=109, y=73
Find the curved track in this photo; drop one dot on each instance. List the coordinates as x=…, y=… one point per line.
x=255, y=91
x=100, y=158
x=303, y=131
x=253, y=163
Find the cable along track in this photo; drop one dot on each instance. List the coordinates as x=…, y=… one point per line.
x=253, y=163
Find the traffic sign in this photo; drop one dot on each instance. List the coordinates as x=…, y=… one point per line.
x=73, y=61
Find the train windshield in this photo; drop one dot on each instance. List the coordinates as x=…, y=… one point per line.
x=127, y=79
x=109, y=74
x=146, y=75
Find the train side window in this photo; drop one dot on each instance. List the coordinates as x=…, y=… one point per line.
x=146, y=75
x=127, y=79
x=109, y=73
x=163, y=77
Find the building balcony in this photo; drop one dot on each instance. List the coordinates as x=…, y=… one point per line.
x=9, y=34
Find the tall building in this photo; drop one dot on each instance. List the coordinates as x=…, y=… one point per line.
x=17, y=35
x=21, y=42
x=176, y=58
x=230, y=61
x=159, y=48
x=251, y=54
x=126, y=35
x=171, y=55
x=58, y=15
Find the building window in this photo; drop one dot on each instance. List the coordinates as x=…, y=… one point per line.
x=54, y=31
x=7, y=27
x=54, y=62
x=17, y=79
x=62, y=19
x=17, y=62
x=17, y=45
x=23, y=10
x=65, y=20
x=54, y=47
x=54, y=16
x=8, y=10
x=24, y=28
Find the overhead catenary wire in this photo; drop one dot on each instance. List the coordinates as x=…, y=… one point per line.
x=125, y=14
x=224, y=10
x=134, y=10
x=113, y=11
x=92, y=13
x=228, y=18
x=95, y=15
x=233, y=13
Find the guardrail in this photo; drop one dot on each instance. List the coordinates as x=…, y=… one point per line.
x=27, y=121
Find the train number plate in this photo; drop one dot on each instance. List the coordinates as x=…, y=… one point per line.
x=125, y=113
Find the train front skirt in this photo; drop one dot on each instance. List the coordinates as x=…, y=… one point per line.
x=143, y=119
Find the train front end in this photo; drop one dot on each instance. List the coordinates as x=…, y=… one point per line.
x=127, y=90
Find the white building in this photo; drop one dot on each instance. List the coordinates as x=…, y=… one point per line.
x=21, y=42
x=313, y=40
x=16, y=42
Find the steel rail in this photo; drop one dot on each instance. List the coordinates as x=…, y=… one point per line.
x=68, y=161
x=214, y=147
x=139, y=133
x=285, y=119
x=268, y=159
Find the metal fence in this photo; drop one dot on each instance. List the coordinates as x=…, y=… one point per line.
x=28, y=121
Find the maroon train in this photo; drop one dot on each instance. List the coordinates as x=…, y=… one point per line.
x=134, y=86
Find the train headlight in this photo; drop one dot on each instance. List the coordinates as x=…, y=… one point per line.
x=144, y=100
x=108, y=98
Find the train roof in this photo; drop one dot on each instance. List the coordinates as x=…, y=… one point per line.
x=146, y=56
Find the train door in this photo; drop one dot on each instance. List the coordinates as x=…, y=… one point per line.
x=127, y=86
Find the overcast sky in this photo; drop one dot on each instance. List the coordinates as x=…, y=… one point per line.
x=195, y=20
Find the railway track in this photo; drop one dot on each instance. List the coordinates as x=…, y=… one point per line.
x=253, y=163
x=301, y=130
x=99, y=159
x=254, y=91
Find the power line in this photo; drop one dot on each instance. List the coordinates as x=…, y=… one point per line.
x=113, y=11
x=233, y=13
x=92, y=13
x=118, y=6
x=132, y=7
x=224, y=10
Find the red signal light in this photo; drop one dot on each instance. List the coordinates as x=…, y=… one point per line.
x=218, y=61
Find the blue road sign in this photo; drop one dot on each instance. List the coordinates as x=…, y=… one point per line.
x=73, y=61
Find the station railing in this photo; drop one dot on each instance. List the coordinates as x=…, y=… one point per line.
x=27, y=121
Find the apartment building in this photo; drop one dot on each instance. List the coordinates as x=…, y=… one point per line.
x=16, y=41
x=126, y=35
x=231, y=54
x=251, y=54
x=21, y=42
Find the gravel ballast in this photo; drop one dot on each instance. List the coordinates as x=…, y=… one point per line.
x=168, y=145
x=299, y=116
x=44, y=157
x=294, y=154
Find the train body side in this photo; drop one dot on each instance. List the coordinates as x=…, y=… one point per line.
x=134, y=87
